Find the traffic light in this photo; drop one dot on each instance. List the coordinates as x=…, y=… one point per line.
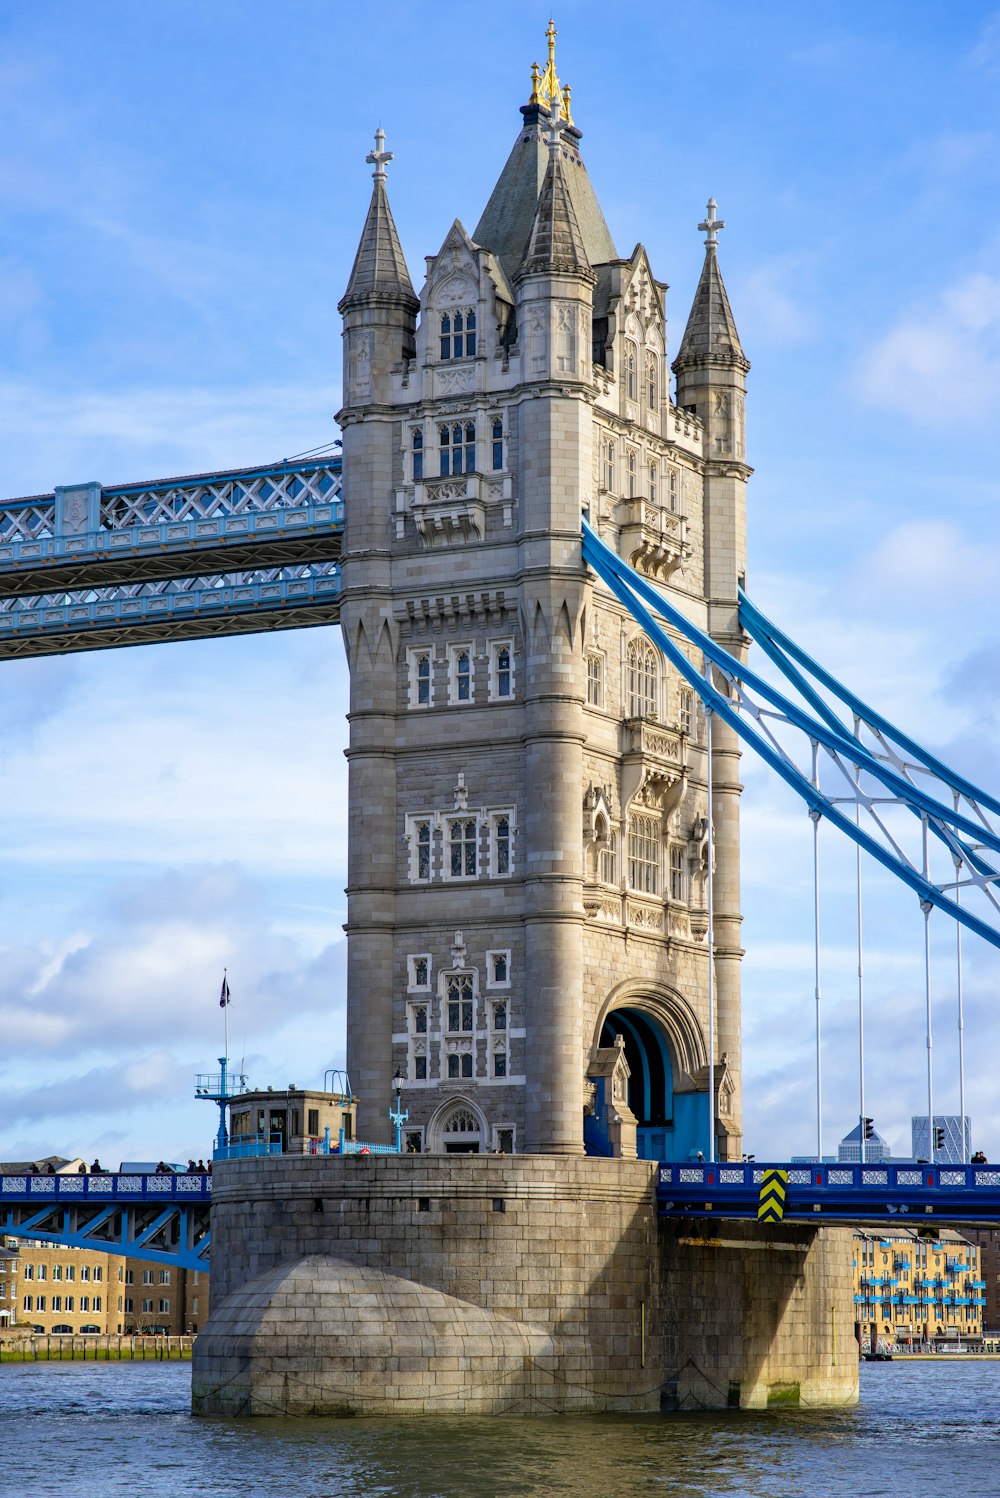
x=939, y=1139
x=869, y=1127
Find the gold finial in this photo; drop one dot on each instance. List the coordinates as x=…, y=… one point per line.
x=546, y=89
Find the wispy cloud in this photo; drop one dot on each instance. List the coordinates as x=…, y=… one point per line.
x=942, y=363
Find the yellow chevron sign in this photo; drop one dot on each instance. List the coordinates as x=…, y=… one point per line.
x=772, y=1196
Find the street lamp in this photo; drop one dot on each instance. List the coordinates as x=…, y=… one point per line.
x=396, y=1114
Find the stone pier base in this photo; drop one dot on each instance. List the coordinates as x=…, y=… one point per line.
x=389, y=1285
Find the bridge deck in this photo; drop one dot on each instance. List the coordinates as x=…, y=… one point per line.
x=905, y=1194
x=161, y=1217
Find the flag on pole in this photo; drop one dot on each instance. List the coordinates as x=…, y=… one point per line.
x=224, y=995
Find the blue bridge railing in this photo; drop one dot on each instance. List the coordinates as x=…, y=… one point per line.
x=876, y=1192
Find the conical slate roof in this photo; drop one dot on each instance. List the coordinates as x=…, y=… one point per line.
x=555, y=242
x=510, y=213
x=711, y=328
x=379, y=267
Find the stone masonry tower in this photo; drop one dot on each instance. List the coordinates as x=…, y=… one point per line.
x=528, y=839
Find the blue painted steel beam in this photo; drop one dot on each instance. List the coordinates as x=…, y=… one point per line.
x=639, y=598
x=82, y=1211
x=231, y=520
x=228, y=604
x=907, y=1195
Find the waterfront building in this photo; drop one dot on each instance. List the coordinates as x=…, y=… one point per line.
x=86, y=1292
x=911, y=1289
x=988, y=1242
x=957, y=1146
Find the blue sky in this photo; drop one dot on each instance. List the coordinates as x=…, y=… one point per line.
x=181, y=191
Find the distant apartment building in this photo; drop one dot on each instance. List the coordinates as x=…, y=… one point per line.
x=957, y=1146
x=988, y=1242
x=73, y=1291
x=910, y=1289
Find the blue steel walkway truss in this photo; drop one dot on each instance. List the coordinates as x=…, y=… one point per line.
x=163, y=1217
x=234, y=552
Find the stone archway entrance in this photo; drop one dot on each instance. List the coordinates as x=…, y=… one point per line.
x=651, y=1078
x=457, y=1128
x=667, y=1092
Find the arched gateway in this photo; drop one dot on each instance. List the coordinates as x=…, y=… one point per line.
x=650, y=1072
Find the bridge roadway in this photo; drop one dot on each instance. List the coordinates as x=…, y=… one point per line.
x=906, y=1194
x=161, y=1217
x=238, y=551
x=165, y=1217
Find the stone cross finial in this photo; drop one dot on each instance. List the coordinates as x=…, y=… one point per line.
x=379, y=156
x=711, y=225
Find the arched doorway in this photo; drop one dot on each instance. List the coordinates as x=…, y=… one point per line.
x=651, y=1078
x=458, y=1128
x=667, y=1089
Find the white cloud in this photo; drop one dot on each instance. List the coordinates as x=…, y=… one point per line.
x=942, y=362
x=772, y=303
x=985, y=54
x=119, y=436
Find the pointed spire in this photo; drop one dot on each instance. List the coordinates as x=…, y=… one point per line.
x=711, y=333
x=379, y=269
x=555, y=242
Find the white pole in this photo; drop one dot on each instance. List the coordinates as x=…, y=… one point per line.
x=861, y=972
x=926, y=907
x=710, y=936
x=961, y=1007
x=814, y=815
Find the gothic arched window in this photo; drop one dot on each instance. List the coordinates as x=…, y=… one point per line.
x=457, y=445
x=652, y=483
x=417, y=449
x=630, y=374
x=633, y=469
x=458, y=333
x=652, y=381
x=609, y=467
x=643, y=680
x=497, y=443
x=644, y=854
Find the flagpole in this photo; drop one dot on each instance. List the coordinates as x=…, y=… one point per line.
x=225, y=1010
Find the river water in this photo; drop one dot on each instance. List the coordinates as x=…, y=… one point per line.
x=99, y=1430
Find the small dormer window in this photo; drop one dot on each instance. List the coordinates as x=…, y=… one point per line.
x=458, y=334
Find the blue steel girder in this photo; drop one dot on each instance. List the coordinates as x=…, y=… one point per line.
x=234, y=552
x=163, y=1218
x=910, y=1194
x=232, y=521
x=184, y=608
x=892, y=812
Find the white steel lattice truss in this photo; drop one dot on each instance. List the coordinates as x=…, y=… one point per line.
x=893, y=798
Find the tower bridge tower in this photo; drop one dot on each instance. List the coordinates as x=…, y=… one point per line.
x=527, y=906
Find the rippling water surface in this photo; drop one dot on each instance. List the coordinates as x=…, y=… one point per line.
x=97, y=1430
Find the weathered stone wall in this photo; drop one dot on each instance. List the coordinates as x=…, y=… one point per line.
x=498, y=1284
